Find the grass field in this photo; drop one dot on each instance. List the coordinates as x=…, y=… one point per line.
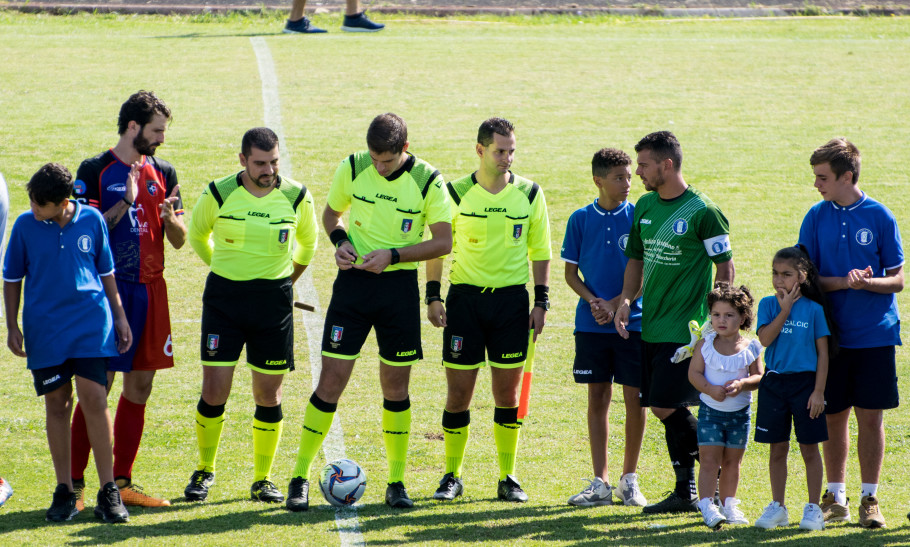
x=748, y=99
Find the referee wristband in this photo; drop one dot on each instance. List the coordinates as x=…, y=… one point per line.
x=434, y=289
x=541, y=293
x=128, y=202
x=396, y=258
x=338, y=236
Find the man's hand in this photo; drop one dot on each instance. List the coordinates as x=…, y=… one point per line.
x=859, y=279
x=621, y=319
x=375, y=261
x=536, y=320
x=345, y=255
x=167, y=207
x=132, y=182
x=436, y=313
x=14, y=342
x=602, y=310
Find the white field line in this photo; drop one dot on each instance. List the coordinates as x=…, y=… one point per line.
x=346, y=521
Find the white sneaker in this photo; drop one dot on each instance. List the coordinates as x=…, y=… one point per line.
x=732, y=512
x=813, y=519
x=774, y=515
x=711, y=513
x=629, y=492
x=597, y=493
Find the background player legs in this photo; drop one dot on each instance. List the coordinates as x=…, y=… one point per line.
x=814, y=471
x=396, y=417
x=58, y=405
x=870, y=443
x=93, y=398
x=460, y=390
x=129, y=420
x=334, y=378
x=636, y=418
x=216, y=384
x=777, y=468
x=837, y=446
x=506, y=385
x=599, y=397
x=267, y=423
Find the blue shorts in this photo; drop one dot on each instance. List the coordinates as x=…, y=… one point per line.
x=862, y=377
x=50, y=379
x=606, y=357
x=782, y=400
x=719, y=428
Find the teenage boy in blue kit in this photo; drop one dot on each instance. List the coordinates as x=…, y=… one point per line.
x=594, y=245
x=61, y=248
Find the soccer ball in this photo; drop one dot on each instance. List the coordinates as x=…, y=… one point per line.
x=342, y=482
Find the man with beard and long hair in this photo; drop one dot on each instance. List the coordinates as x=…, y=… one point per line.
x=244, y=226
x=677, y=234
x=139, y=197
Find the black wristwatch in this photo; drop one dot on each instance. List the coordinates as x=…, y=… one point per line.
x=429, y=299
x=545, y=304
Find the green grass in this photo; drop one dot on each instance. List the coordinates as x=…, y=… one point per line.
x=749, y=100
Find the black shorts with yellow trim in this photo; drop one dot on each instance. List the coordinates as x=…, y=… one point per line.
x=388, y=302
x=485, y=323
x=257, y=313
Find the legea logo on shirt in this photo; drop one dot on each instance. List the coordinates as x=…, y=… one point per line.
x=864, y=236
x=680, y=226
x=84, y=243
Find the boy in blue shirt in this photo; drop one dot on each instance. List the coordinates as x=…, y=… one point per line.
x=855, y=242
x=61, y=249
x=594, y=245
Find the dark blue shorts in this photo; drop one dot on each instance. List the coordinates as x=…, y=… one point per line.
x=606, y=357
x=719, y=428
x=782, y=400
x=52, y=378
x=862, y=377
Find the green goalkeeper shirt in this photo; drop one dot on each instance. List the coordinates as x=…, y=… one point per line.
x=677, y=240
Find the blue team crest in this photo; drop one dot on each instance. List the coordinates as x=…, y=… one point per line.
x=212, y=342
x=623, y=241
x=283, y=235
x=79, y=187
x=336, y=333
x=680, y=226
x=864, y=236
x=152, y=186
x=516, y=231
x=406, y=225
x=84, y=243
x=457, y=343
x=717, y=247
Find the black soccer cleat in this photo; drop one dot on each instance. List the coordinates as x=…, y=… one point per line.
x=396, y=496
x=673, y=503
x=63, y=505
x=298, y=495
x=198, y=488
x=265, y=490
x=450, y=487
x=110, y=507
x=510, y=490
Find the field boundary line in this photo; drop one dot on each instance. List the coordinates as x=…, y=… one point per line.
x=346, y=521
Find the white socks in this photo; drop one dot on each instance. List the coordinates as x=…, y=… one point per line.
x=869, y=489
x=839, y=489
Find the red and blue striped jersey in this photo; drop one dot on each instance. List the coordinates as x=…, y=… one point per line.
x=137, y=241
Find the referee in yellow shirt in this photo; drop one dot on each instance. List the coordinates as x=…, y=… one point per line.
x=499, y=221
x=244, y=226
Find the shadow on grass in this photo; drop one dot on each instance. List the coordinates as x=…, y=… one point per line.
x=233, y=35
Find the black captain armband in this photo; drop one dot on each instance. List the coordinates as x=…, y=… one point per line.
x=434, y=289
x=338, y=236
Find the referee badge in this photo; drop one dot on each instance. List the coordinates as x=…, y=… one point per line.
x=516, y=231
x=212, y=342
x=457, y=343
x=406, y=225
x=336, y=333
x=283, y=236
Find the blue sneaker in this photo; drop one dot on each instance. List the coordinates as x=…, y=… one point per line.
x=302, y=26
x=360, y=23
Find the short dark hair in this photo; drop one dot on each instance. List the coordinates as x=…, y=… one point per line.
x=140, y=108
x=262, y=138
x=841, y=154
x=663, y=145
x=499, y=126
x=387, y=133
x=53, y=183
x=739, y=298
x=608, y=158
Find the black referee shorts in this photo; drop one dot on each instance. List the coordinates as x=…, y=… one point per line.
x=257, y=313
x=388, y=302
x=478, y=319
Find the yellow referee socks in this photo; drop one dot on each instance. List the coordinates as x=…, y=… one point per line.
x=456, y=429
x=209, y=423
x=396, y=430
x=267, y=425
x=505, y=431
x=317, y=420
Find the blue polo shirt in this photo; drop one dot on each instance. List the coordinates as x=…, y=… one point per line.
x=794, y=348
x=65, y=312
x=596, y=240
x=839, y=239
